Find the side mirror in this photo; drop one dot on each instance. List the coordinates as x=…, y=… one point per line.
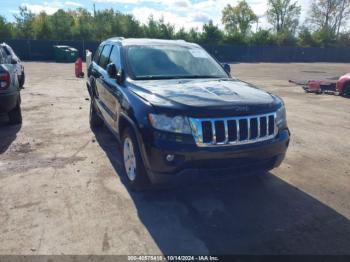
x=227, y=68
x=112, y=70
x=115, y=73
x=120, y=76
x=13, y=61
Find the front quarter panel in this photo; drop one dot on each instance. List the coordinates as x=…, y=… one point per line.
x=135, y=108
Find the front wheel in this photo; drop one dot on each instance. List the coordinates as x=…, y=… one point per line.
x=95, y=119
x=135, y=171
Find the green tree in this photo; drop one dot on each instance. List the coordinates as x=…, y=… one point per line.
x=239, y=18
x=131, y=27
x=325, y=37
x=159, y=29
x=193, y=36
x=328, y=18
x=235, y=38
x=62, y=23
x=103, y=27
x=211, y=34
x=283, y=15
x=5, y=29
x=344, y=39
x=166, y=30
x=286, y=38
x=263, y=37
x=24, y=23
x=181, y=34
x=83, y=25
x=41, y=27
x=306, y=38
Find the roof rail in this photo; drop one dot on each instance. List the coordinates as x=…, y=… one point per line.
x=116, y=38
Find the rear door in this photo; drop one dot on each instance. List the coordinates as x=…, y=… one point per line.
x=103, y=99
x=113, y=92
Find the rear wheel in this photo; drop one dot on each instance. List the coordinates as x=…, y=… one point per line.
x=135, y=171
x=15, y=115
x=95, y=119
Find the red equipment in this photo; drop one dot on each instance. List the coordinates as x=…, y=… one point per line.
x=319, y=87
x=340, y=87
x=313, y=86
x=79, y=68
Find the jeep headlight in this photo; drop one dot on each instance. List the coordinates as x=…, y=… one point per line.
x=176, y=124
x=281, y=118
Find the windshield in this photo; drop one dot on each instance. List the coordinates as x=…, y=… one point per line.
x=166, y=62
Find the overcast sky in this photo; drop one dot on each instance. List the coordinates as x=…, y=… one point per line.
x=181, y=13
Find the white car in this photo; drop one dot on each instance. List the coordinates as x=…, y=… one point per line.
x=10, y=97
x=14, y=59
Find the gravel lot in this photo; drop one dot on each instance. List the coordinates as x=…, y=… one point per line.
x=61, y=191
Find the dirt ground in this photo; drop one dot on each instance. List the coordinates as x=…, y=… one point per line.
x=61, y=192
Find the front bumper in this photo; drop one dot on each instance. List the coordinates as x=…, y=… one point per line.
x=8, y=102
x=191, y=161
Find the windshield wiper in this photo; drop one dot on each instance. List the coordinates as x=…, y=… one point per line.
x=153, y=77
x=200, y=76
x=177, y=77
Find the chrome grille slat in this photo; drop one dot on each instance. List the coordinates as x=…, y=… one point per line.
x=249, y=131
x=213, y=130
x=238, y=131
x=226, y=131
x=258, y=135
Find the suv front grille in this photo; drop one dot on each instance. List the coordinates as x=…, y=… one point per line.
x=233, y=130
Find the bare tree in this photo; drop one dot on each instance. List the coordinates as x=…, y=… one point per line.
x=283, y=14
x=343, y=14
x=330, y=14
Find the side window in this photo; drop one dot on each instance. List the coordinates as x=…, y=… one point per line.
x=97, y=54
x=115, y=56
x=105, y=56
x=7, y=51
x=2, y=56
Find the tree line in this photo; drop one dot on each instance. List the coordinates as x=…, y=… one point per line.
x=326, y=25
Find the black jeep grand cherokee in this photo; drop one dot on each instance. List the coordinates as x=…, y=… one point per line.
x=177, y=112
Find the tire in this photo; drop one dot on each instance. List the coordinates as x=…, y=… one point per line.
x=346, y=90
x=15, y=115
x=22, y=79
x=95, y=119
x=134, y=168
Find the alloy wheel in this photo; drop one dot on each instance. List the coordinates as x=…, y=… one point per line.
x=129, y=159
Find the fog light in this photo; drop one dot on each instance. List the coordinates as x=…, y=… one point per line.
x=170, y=158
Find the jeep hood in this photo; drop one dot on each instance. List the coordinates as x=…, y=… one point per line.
x=201, y=93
